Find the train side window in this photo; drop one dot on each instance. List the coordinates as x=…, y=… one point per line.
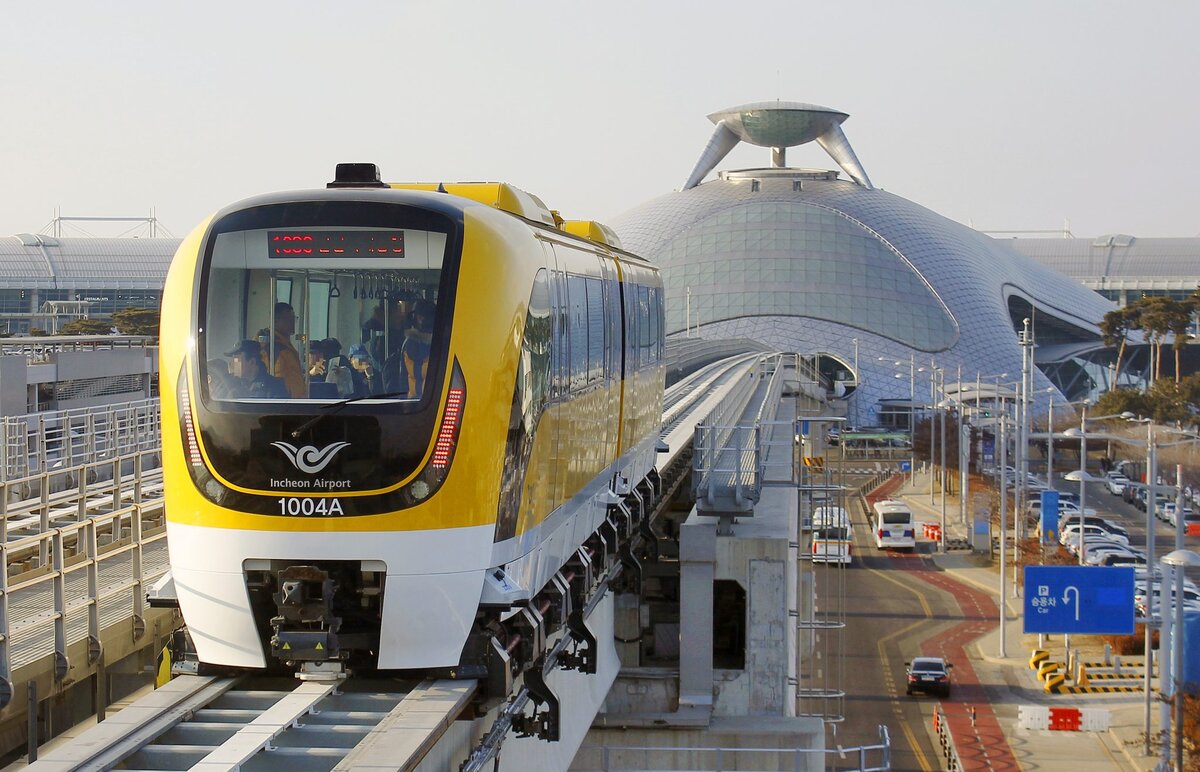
x=577, y=330
x=631, y=328
x=534, y=370
x=595, y=312
x=557, y=328
x=655, y=324
x=612, y=327
x=644, y=326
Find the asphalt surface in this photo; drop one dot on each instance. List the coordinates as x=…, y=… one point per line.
x=897, y=605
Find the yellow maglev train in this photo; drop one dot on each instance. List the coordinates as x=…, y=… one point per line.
x=401, y=410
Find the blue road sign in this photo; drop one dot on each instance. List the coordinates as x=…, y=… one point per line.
x=905, y=466
x=1049, y=517
x=1079, y=599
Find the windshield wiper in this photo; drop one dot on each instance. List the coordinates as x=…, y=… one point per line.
x=334, y=407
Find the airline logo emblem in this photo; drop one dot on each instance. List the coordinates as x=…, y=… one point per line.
x=308, y=458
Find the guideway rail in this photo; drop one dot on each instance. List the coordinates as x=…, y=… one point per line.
x=225, y=724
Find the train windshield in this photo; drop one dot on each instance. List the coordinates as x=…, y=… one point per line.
x=322, y=313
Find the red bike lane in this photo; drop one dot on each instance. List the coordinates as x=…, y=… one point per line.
x=979, y=741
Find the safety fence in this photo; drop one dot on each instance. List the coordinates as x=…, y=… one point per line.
x=55, y=440
x=869, y=758
x=945, y=739
x=82, y=530
x=727, y=454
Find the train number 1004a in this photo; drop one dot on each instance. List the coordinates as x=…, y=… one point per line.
x=296, y=506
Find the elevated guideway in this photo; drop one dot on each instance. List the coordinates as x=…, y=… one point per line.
x=92, y=549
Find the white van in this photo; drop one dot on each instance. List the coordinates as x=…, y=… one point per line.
x=894, y=525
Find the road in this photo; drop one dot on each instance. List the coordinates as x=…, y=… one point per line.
x=897, y=606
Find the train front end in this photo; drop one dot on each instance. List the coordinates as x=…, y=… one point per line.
x=315, y=385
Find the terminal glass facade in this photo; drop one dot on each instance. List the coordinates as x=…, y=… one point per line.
x=795, y=259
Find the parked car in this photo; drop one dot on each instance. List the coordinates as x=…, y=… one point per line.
x=1071, y=543
x=1090, y=529
x=930, y=675
x=1169, y=512
x=1096, y=557
x=1117, y=559
x=1096, y=520
x=1116, y=484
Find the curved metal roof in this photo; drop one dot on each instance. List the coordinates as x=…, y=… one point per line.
x=975, y=276
x=1116, y=260
x=29, y=261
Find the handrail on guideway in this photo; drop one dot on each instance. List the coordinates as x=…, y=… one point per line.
x=52, y=470
x=727, y=460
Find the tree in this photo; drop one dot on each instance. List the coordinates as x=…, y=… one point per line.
x=1117, y=401
x=136, y=321
x=1181, y=324
x=1115, y=328
x=1157, y=315
x=86, y=327
x=922, y=441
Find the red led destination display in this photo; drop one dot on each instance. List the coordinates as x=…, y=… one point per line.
x=335, y=243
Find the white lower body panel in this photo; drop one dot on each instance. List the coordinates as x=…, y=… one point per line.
x=430, y=595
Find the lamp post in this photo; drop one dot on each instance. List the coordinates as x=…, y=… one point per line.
x=1050, y=445
x=857, y=395
x=1083, y=473
x=942, y=479
x=1152, y=447
x=1178, y=560
x=1002, y=420
x=932, y=419
x=912, y=398
x=1181, y=558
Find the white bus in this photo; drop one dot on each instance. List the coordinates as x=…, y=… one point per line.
x=893, y=524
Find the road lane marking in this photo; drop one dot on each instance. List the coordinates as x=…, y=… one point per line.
x=887, y=668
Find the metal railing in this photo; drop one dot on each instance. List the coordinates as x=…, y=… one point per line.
x=727, y=468
x=871, y=758
x=69, y=583
x=57, y=439
x=44, y=500
x=81, y=530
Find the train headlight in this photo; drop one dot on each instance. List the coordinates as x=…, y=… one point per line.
x=419, y=489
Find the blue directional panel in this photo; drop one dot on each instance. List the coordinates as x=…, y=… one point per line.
x=1049, y=517
x=1079, y=599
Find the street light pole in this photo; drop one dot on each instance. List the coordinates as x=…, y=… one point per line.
x=1050, y=445
x=857, y=394
x=1026, y=395
x=1002, y=420
x=1083, y=484
x=912, y=426
x=963, y=445
x=932, y=418
x=1151, y=476
x=942, y=410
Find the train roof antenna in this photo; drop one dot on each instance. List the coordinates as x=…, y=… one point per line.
x=355, y=175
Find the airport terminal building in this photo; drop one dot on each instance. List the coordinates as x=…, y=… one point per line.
x=806, y=260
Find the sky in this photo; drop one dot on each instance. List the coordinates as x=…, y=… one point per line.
x=1017, y=115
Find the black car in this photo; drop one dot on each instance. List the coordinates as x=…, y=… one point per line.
x=930, y=675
